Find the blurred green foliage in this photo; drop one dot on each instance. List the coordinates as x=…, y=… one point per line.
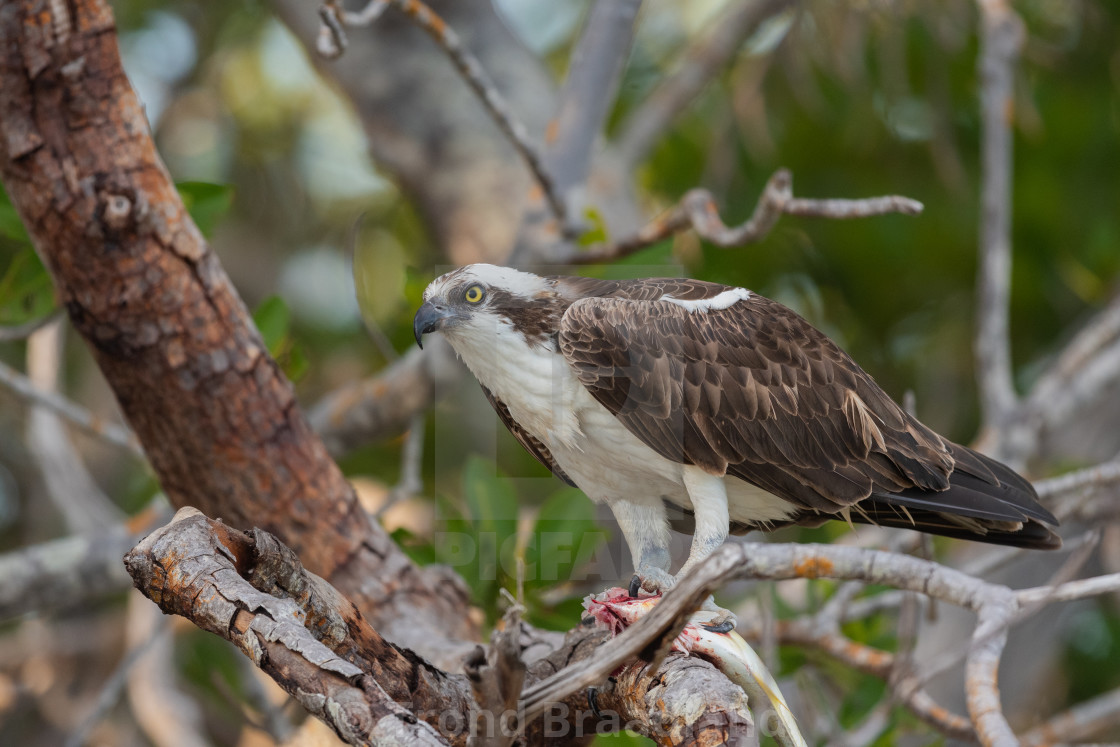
x=479, y=538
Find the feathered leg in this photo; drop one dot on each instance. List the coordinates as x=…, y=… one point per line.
x=646, y=529
x=709, y=505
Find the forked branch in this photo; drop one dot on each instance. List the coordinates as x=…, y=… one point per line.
x=333, y=41
x=697, y=210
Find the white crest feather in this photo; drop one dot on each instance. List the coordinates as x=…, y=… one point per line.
x=519, y=283
x=724, y=300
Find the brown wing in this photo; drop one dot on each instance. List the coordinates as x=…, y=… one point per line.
x=756, y=391
x=752, y=390
x=526, y=439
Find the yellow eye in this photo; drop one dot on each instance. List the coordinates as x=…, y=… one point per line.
x=473, y=294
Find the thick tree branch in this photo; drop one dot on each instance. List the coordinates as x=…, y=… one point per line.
x=186, y=569
x=697, y=210
x=594, y=73
x=213, y=574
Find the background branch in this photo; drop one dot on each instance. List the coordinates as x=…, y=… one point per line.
x=702, y=62
x=1001, y=36
x=697, y=210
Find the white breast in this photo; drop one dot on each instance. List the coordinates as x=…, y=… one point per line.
x=592, y=446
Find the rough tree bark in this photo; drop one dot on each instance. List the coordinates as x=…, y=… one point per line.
x=216, y=416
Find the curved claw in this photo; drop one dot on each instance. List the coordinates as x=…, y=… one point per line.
x=722, y=627
x=635, y=585
x=593, y=701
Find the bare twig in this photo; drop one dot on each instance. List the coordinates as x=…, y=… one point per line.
x=167, y=714
x=383, y=406
x=1101, y=332
x=1070, y=590
x=76, y=414
x=881, y=664
x=697, y=210
x=702, y=61
x=1001, y=37
x=411, y=481
x=472, y=72
x=111, y=690
x=1104, y=474
x=1082, y=721
x=822, y=632
x=69, y=485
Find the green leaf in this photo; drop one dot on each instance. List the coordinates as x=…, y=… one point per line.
x=597, y=233
x=565, y=534
x=491, y=503
x=419, y=550
x=492, y=508
x=455, y=541
x=624, y=738
x=294, y=361
x=273, y=319
x=10, y=224
x=26, y=291
x=207, y=203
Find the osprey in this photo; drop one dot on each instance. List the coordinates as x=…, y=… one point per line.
x=660, y=393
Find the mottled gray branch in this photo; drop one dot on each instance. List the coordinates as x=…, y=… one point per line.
x=473, y=73
x=697, y=210
x=385, y=405
x=1001, y=37
x=1081, y=722
x=64, y=572
x=71, y=411
x=589, y=90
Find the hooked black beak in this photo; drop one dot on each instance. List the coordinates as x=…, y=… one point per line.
x=429, y=318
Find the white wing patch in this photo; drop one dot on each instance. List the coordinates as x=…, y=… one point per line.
x=724, y=300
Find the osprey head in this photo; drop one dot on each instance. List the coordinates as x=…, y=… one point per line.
x=478, y=302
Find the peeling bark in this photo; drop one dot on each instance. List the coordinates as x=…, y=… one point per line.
x=173, y=569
